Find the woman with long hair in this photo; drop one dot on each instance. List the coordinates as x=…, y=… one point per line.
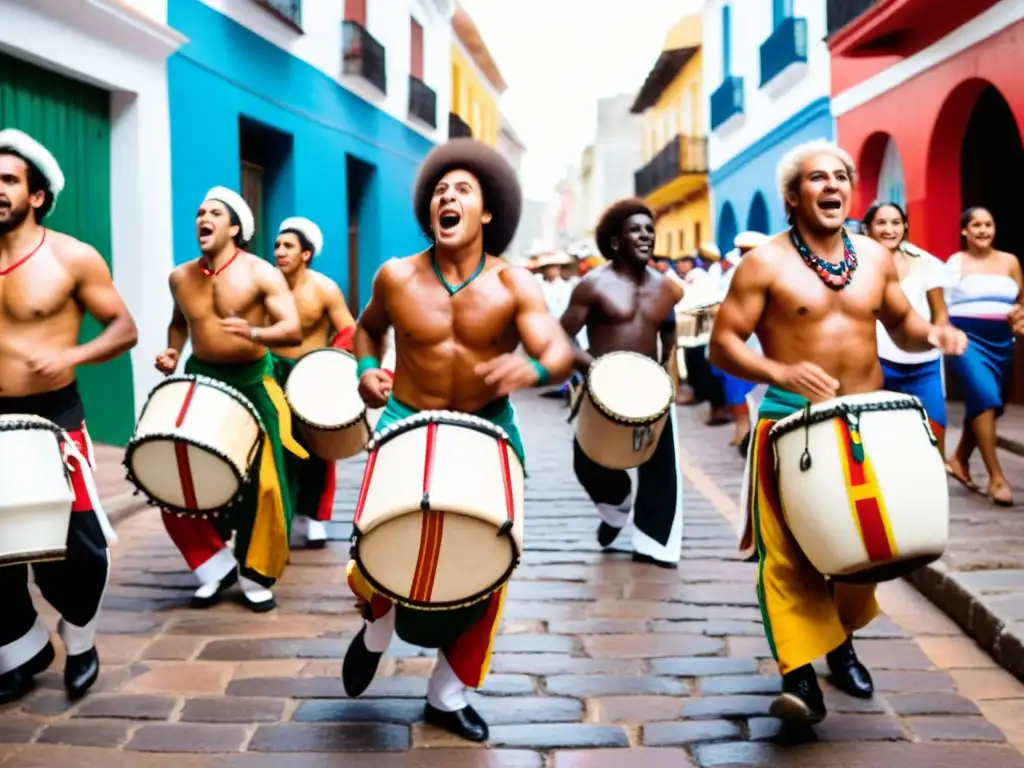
x=922, y=278
x=989, y=285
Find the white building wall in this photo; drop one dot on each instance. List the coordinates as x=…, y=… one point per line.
x=122, y=49
x=320, y=45
x=764, y=108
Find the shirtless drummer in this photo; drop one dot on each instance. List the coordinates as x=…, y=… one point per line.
x=323, y=316
x=459, y=312
x=626, y=305
x=48, y=281
x=812, y=295
x=222, y=302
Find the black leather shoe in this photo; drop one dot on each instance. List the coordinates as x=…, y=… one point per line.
x=648, y=560
x=18, y=682
x=606, y=534
x=801, y=700
x=360, y=666
x=80, y=672
x=848, y=674
x=465, y=723
x=206, y=601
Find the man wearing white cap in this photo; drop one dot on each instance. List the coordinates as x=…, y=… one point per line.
x=222, y=302
x=322, y=314
x=48, y=281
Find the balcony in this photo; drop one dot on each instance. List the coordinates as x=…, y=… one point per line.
x=727, y=104
x=682, y=156
x=839, y=13
x=422, y=102
x=784, y=55
x=458, y=128
x=364, y=56
x=288, y=11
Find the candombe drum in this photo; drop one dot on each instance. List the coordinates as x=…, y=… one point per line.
x=862, y=486
x=36, y=495
x=622, y=409
x=323, y=394
x=439, y=520
x=194, y=446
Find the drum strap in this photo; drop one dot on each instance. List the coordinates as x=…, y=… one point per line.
x=86, y=467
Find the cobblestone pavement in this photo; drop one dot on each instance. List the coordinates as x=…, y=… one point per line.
x=601, y=663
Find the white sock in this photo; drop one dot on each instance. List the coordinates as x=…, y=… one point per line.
x=255, y=593
x=444, y=689
x=616, y=515
x=315, y=531
x=300, y=530
x=378, y=633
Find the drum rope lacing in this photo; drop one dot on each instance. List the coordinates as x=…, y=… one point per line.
x=851, y=414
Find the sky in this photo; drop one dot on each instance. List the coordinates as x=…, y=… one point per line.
x=558, y=58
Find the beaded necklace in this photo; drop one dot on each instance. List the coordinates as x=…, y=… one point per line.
x=835, y=276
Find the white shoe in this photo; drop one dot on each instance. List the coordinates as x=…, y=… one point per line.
x=258, y=599
x=210, y=591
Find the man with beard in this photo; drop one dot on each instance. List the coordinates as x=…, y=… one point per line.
x=222, y=302
x=813, y=296
x=322, y=313
x=459, y=312
x=627, y=305
x=48, y=282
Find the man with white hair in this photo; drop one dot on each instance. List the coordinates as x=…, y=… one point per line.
x=323, y=316
x=221, y=302
x=812, y=295
x=49, y=281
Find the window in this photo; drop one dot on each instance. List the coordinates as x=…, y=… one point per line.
x=355, y=10
x=726, y=41
x=687, y=127
x=668, y=244
x=289, y=10
x=682, y=240
x=670, y=126
x=781, y=10
x=696, y=234
x=416, y=47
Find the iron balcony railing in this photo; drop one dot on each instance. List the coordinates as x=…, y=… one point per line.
x=681, y=156
x=363, y=55
x=289, y=10
x=458, y=128
x=422, y=101
x=726, y=101
x=839, y=13
x=785, y=46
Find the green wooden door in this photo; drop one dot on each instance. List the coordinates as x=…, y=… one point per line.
x=72, y=120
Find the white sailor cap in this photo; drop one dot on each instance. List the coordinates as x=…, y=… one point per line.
x=37, y=154
x=234, y=201
x=309, y=230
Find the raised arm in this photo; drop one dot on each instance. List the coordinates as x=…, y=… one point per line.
x=575, y=318
x=177, y=330
x=97, y=296
x=736, y=319
x=285, y=329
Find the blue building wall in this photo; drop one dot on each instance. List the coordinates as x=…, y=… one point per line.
x=736, y=186
x=227, y=73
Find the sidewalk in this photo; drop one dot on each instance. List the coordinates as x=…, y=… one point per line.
x=120, y=501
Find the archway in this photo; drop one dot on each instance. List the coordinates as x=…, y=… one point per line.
x=892, y=188
x=757, y=218
x=869, y=166
x=727, y=229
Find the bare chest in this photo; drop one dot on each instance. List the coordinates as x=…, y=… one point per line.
x=479, y=315
x=804, y=298
x=309, y=306
x=38, y=289
x=226, y=295
x=623, y=302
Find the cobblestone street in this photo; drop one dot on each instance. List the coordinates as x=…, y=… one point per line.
x=601, y=663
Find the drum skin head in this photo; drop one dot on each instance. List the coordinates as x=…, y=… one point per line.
x=216, y=481
x=323, y=390
x=630, y=385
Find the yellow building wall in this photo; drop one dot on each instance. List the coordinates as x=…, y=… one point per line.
x=668, y=116
x=472, y=100
x=681, y=228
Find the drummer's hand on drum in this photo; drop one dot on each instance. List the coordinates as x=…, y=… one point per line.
x=507, y=373
x=167, y=361
x=810, y=381
x=374, y=387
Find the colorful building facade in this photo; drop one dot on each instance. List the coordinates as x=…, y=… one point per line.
x=673, y=179
x=476, y=83
x=766, y=70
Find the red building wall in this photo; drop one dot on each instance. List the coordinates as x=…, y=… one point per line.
x=927, y=117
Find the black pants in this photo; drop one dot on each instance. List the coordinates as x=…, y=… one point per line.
x=658, y=506
x=706, y=386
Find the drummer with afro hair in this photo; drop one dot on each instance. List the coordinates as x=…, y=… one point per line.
x=625, y=305
x=459, y=312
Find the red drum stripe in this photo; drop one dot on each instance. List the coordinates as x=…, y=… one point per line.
x=428, y=459
x=185, y=405
x=188, y=489
x=866, y=499
x=872, y=526
x=364, y=488
x=506, y=478
x=430, y=572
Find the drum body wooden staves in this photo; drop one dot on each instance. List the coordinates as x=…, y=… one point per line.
x=35, y=490
x=194, y=445
x=873, y=503
x=323, y=394
x=439, y=521
x=623, y=409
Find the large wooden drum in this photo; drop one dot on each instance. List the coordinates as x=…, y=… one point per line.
x=439, y=520
x=194, y=446
x=623, y=409
x=36, y=495
x=323, y=394
x=862, y=486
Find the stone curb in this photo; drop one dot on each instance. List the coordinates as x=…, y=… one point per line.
x=968, y=609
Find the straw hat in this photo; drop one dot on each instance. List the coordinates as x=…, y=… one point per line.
x=749, y=240
x=557, y=259
x=709, y=251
